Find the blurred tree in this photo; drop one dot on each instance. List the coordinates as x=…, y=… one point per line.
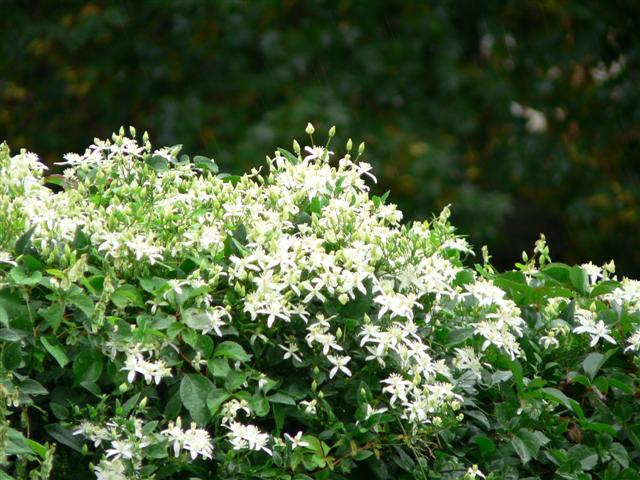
x=523, y=114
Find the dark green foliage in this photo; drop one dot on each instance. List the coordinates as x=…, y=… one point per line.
x=429, y=86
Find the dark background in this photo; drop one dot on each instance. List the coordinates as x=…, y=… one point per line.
x=430, y=87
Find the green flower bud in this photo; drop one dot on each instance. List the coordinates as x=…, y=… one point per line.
x=309, y=130
x=332, y=131
x=349, y=145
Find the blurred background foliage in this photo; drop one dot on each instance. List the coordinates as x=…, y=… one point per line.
x=525, y=115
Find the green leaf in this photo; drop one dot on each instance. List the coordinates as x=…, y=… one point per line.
x=634, y=435
x=485, y=444
x=458, y=336
x=40, y=449
x=4, y=317
x=87, y=367
x=9, y=335
x=231, y=350
x=158, y=163
x=53, y=316
x=599, y=427
x=362, y=455
x=620, y=454
x=603, y=288
x=282, y=398
x=194, y=392
x=56, y=350
x=555, y=394
x=21, y=277
x=12, y=356
x=579, y=279
x=130, y=404
x=259, y=405
x=64, y=436
x=235, y=379
x=205, y=163
x=32, y=387
x=527, y=443
x=127, y=295
x=278, y=417
x=80, y=300
x=23, y=242
x=17, y=443
x=215, y=398
x=404, y=461
x=586, y=456
x=195, y=318
x=594, y=361
x=591, y=364
x=288, y=155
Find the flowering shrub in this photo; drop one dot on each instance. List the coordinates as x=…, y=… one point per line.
x=162, y=320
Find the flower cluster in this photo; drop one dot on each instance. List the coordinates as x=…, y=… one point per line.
x=255, y=306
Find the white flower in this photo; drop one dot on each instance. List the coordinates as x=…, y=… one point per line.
x=398, y=387
x=474, y=472
x=316, y=153
x=175, y=435
x=634, y=341
x=215, y=317
x=309, y=406
x=247, y=437
x=5, y=257
x=120, y=449
x=197, y=442
x=549, y=340
x=135, y=363
x=597, y=330
x=371, y=411
x=340, y=363
x=291, y=351
x=467, y=359
x=110, y=470
x=594, y=272
x=296, y=441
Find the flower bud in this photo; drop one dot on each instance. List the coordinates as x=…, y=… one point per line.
x=123, y=387
x=349, y=145
x=143, y=403
x=361, y=149
x=296, y=147
x=309, y=130
x=332, y=131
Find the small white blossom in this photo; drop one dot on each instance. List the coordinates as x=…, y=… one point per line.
x=339, y=363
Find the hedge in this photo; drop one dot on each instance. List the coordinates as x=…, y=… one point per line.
x=163, y=320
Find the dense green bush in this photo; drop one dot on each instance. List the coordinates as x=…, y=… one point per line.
x=523, y=114
x=163, y=320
